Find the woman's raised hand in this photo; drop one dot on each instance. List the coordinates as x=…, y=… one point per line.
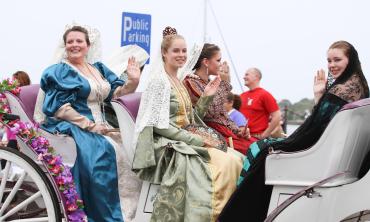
x=225, y=72
x=133, y=69
x=319, y=84
x=212, y=86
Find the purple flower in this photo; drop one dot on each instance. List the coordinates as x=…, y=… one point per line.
x=43, y=140
x=70, y=195
x=78, y=216
x=67, y=176
x=34, y=144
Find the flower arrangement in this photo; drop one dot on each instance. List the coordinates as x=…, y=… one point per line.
x=7, y=85
x=62, y=174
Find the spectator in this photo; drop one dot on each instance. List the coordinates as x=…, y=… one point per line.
x=232, y=105
x=22, y=78
x=258, y=105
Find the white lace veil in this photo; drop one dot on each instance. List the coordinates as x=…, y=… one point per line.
x=95, y=51
x=154, y=107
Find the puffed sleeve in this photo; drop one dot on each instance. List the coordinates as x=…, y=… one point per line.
x=111, y=77
x=61, y=85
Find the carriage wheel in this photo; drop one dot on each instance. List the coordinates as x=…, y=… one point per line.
x=31, y=196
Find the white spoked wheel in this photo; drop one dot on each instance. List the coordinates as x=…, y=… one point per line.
x=29, y=196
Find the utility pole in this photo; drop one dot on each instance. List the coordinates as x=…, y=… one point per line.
x=205, y=21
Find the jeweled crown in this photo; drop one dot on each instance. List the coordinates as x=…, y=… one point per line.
x=169, y=31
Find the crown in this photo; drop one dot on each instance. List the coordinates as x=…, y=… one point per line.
x=169, y=31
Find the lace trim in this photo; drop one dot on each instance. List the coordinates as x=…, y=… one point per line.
x=349, y=91
x=129, y=185
x=154, y=107
x=38, y=115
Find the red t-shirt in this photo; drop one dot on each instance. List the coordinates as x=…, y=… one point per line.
x=257, y=105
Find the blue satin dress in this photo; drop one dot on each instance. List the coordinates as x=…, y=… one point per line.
x=95, y=169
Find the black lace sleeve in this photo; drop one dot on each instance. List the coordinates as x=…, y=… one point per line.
x=349, y=91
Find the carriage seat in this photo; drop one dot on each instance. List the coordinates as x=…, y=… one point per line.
x=23, y=105
x=26, y=99
x=126, y=108
x=342, y=147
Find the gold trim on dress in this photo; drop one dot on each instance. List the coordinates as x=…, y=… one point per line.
x=185, y=112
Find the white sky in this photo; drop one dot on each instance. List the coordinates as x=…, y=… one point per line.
x=286, y=39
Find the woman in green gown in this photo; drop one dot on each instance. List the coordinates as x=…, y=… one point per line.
x=196, y=180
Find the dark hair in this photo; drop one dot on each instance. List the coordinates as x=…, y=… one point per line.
x=353, y=67
x=77, y=29
x=22, y=78
x=230, y=97
x=208, y=51
x=237, y=102
x=235, y=99
x=169, y=34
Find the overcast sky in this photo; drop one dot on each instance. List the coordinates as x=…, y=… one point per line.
x=286, y=39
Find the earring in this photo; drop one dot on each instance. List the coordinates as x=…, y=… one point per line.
x=207, y=70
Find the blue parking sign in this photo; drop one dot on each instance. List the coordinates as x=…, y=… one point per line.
x=136, y=29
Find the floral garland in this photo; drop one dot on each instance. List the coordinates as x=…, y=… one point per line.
x=30, y=135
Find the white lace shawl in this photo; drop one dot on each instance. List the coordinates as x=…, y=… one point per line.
x=154, y=107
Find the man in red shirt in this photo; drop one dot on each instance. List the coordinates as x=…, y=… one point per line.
x=259, y=106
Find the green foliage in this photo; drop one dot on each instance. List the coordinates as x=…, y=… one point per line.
x=298, y=110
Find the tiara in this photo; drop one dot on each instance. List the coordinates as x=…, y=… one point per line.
x=169, y=31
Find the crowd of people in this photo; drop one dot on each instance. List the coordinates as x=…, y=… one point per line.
x=199, y=180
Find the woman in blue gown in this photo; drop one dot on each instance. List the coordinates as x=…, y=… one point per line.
x=74, y=93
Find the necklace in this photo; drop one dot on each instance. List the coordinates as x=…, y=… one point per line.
x=98, y=84
x=183, y=97
x=99, y=92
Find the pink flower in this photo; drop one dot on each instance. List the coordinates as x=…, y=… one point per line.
x=72, y=207
x=55, y=160
x=39, y=157
x=55, y=169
